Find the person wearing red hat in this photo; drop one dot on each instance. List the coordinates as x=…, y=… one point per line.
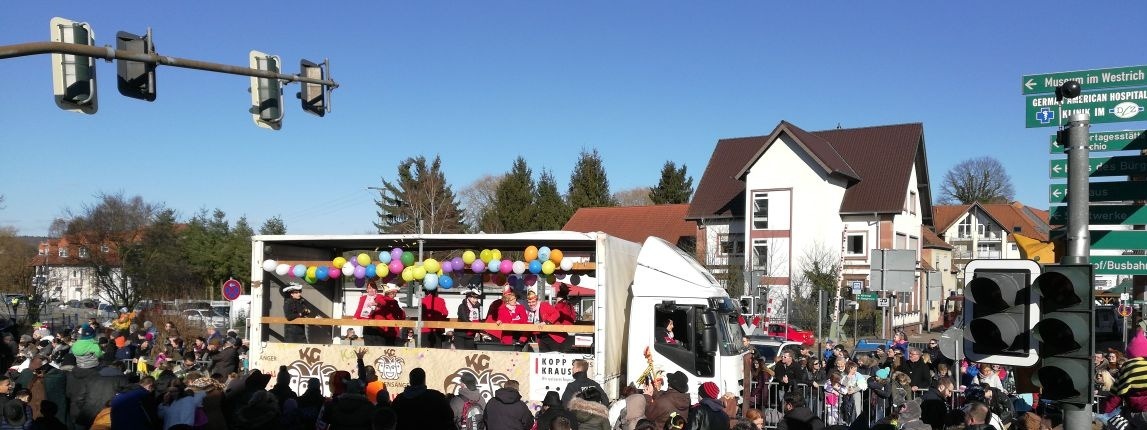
x=512, y=312
x=709, y=413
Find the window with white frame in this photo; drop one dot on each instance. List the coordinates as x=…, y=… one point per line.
x=761, y=253
x=104, y=249
x=901, y=241
x=730, y=244
x=912, y=202
x=854, y=244
x=760, y=210
x=83, y=252
x=964, y=230
x=63, y=252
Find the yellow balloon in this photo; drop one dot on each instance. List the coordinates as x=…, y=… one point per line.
x=485, y=255
x=556, y=256
x=381, y=270
x=408, y=274
x=419, y=272
x=311, y=272
x=338, y=262
x=531, y=253
x=495, y=255
x=548, y=267
x=468, y=257
x=432, y=265
x=363, y=259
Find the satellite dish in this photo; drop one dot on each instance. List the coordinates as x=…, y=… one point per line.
x=950, y=341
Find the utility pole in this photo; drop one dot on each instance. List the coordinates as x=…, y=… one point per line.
x=1078, y=237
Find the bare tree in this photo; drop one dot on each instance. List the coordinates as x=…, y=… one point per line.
x=637, y=196
x=818, y=271
x=108, y=235
x=476, y=200
x=16, y=274
x=977, y=180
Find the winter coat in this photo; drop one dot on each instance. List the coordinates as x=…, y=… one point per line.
x=89, y=390
x=665, y=404
x=225, y=361
x=561, y=313
x=636, y=406
x=917, y=371
x=580, y=382
x=506, y=411
x=547, y=417
x=709, y=414
x=434, y=309
x=127, y=407
x=458, y=402
x=420, y=408
x=590, y=415
x=348, y=411
x=181, y=411
x=801, y=418
x=933, y=408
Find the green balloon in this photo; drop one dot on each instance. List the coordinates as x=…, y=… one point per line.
x=407, y=258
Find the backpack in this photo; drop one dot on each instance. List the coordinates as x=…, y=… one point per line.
x=471, y=418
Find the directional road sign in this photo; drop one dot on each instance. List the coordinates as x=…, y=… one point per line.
x=1105, y=166
x=1102, y=192
x=1117, y=77
x=866, y=297
x=1109, y=141
x=1118, y=239
x=1104, y=215
x=1103, y=106
x=1119, y=264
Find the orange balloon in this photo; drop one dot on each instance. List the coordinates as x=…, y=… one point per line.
x=556, y=256
x=531, y=253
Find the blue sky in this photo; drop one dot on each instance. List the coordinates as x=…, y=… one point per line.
x=480, y=83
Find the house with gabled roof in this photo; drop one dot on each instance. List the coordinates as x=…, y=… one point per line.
x=637, y=223
x=783, y=200
x=63, y=266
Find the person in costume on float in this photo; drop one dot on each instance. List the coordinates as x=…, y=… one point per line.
x=295, y=307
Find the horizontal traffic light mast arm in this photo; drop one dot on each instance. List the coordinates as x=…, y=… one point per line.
x=109, y=53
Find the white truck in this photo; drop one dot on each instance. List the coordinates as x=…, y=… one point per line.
x=634, y=289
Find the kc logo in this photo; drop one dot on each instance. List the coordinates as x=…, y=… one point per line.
x=389, y=365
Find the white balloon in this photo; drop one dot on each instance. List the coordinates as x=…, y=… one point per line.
x=519, y=267
x=567, y=263
x=269, y=265
x=348, y=269
x=282, y=269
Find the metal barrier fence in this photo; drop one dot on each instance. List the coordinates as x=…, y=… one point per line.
x=833, y=407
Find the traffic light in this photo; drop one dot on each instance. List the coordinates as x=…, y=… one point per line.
x=999, y=312
x=266, y=93
x=1065, y=332
x=135, y=79
x=313, y=96
x=73, y=76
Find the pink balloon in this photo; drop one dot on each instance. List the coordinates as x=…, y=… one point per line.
x=396, y=265
x=334, y=273
x=478, y=266
x=507, y=267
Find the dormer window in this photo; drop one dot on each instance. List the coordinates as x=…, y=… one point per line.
x=63, y=252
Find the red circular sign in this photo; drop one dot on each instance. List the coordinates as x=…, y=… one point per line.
x=1124, y=310
x=232, y=289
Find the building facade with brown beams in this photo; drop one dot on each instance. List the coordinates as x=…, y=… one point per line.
x=64, y=267
x=774, y=202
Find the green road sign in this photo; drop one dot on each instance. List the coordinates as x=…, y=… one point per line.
x=1104, y=215
x=1109, y=141
x=1103, y=106
x=1102, y=192
x=866, y=297
x=1105, y=166
x=1117, y=77
x=1119, y=265
x=1119, y=239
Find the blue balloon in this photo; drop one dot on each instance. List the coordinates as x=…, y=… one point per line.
x=544, y=253
x=446, y=282
x=322, y=273
x=384, y=257
x=430, y=282
x=535, y=266
x=493, y=267
x=371, y=271
x=300, y=270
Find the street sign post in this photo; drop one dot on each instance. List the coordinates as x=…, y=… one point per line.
x=1104, y=166
x=1105, y=215
x=1102, y=192
x=1117, y=77
x=1126, y=140
x=866, y=297
x=232, y=289
x=1103, y=106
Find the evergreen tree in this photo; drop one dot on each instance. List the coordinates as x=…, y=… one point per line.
x=675, y=186
x=207, y=240
x=589, y=186
x=514, y=199
x=160, y=265
x=274, y=225
x=419, y=192
x=552, y=212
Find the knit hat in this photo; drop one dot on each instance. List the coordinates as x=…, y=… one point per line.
x=469, y=381
x=679, y=382
x=911, y=411
x=1137, y=348
x=882, y=373
x=87, y=332
x=709, y=390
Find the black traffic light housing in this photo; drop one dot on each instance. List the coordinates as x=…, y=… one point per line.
x=315, y=97
x=135, y=79
x=1065, y=332
x=999, y=312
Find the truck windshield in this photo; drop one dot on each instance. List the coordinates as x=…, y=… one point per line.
x=731, y=335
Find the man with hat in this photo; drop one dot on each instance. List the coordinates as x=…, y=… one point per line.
x=295, y=307
x=675, y=399
x=470, y=310
x=468, y=402
x=709, y=413
x=226, y=359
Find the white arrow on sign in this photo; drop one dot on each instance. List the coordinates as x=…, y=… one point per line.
x=1029, y=84
x=1056, y=193
x=1056, y=168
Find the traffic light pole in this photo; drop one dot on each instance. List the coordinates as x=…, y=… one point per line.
x=1077, y=416
x=109, y=53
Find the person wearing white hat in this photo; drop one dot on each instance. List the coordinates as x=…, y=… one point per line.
x=391, y=310
x=295, y=307
x=470, y=310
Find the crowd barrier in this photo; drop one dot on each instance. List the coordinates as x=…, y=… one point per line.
x=833, y=408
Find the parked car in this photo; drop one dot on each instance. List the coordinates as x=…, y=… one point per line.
x=869, y=347
x=201, y=317
x=791, y=332
x=767, y=347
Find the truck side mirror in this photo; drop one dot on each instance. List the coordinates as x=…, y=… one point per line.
x=709, y=339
